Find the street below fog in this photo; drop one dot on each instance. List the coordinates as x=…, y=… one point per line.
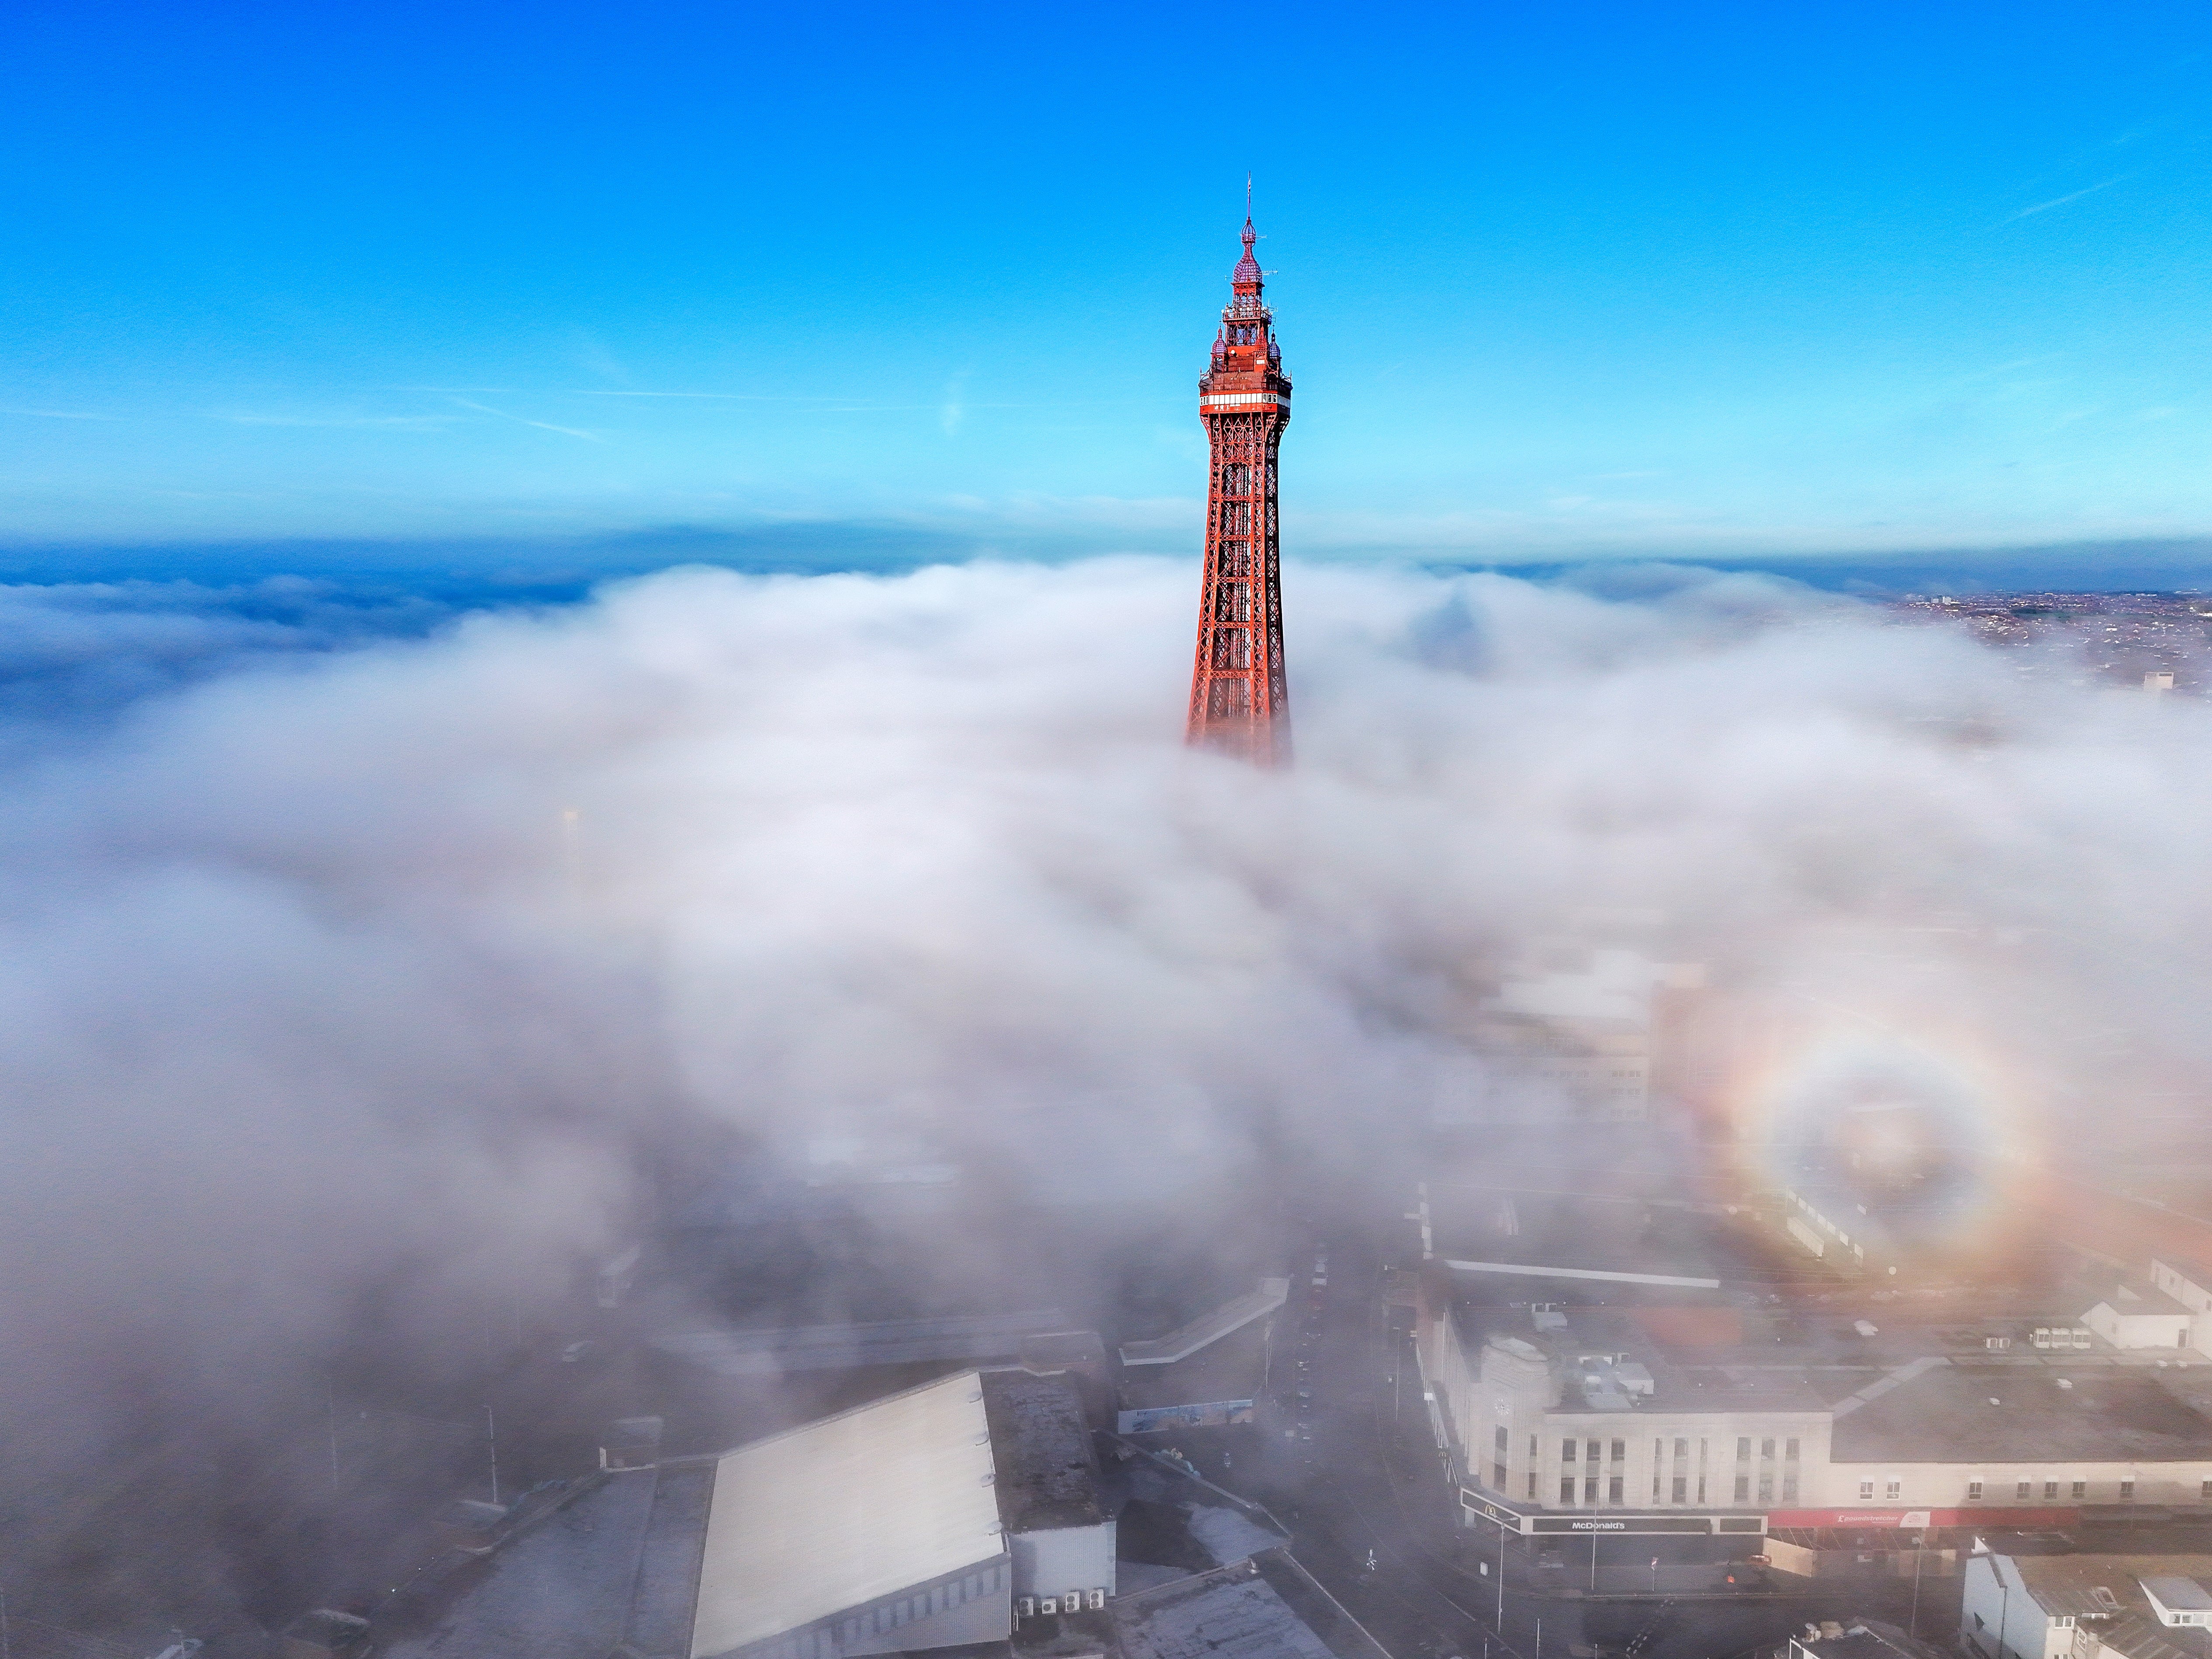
x=1346, y=1460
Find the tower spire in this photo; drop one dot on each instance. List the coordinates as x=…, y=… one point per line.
x=1239, y=700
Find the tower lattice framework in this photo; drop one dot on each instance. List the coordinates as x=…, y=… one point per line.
x=1239, y=701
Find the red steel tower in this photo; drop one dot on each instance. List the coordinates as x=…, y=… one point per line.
x=1238, y=701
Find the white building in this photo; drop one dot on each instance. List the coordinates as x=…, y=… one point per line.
x=2085, y=1607
x=1583, y=1412
x=2188, y=1285
x=2141, y=1316
x=1560, y=1420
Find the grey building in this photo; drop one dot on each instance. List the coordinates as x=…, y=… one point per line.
x=907, y=1524
x=1266, y=1606
x=1208, y=1373
x=2087, y=1607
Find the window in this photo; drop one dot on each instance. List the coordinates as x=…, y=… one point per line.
x=1743, y=1489
x=1681, y=1449
x=1532, y=1486
x=1499, y=1440
x=1790, y=1451
x=1765, y=1488
x=1532, y=1448
x=1743, y=1451
x=1866, y=1491
x=1619, y=1450
x=2082, y=1489
x=1590, y=1452
x=2049, y=1489
x=1613, y=1494
x=2127, y=1490
x=1567, y=1450
x=2021, y=1488
x=1973, y=1491
x=1789, y=1489
x=1497, y=1476
x=1978, y=1624
x=1893, y=1490
x=1589, y=1490
x=1566, y=1489
x=1766, y=1451
x=1681, y=1489
x=2204, y=1488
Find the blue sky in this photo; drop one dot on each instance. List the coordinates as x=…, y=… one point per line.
x=1553, y=280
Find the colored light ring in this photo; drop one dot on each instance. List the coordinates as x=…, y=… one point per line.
x=1860, y=1114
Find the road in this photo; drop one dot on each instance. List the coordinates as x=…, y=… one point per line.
x=1354, y=1472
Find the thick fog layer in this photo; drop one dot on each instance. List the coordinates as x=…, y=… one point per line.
x=353, y=983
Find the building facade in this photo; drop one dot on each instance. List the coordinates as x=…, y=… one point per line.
x=1570, y=1418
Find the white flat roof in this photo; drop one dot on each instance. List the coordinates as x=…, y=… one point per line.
x=2176, y=1595
x=836, y=1513
x=1208, y=1328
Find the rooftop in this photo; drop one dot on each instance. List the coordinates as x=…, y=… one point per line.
x=1618, y=1333
x=1629, y=1241
x=886, y=1342
x=2108, y=1591
x=1946, y=1412
x=2134, y=1295
x=1208, y=1328
x=1265, y=1608
x=560, y=1589
x=826, y=1516
x=707, y=1555
x=1868, y=1638
x=1047, y=1467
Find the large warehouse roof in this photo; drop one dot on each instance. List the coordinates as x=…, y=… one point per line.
x=820, y=1518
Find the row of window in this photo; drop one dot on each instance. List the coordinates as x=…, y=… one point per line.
x=1677, y=1490
x=2022, y=1490
x=1619, y=1449
x=1673, y=1482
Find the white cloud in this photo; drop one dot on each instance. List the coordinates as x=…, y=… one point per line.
x=312, y=991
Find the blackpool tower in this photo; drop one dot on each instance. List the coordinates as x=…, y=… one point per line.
x=1238, y=701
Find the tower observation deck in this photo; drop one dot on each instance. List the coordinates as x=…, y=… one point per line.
x=1239, y=702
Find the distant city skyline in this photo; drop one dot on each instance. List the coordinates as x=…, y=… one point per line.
x=1718, y=283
